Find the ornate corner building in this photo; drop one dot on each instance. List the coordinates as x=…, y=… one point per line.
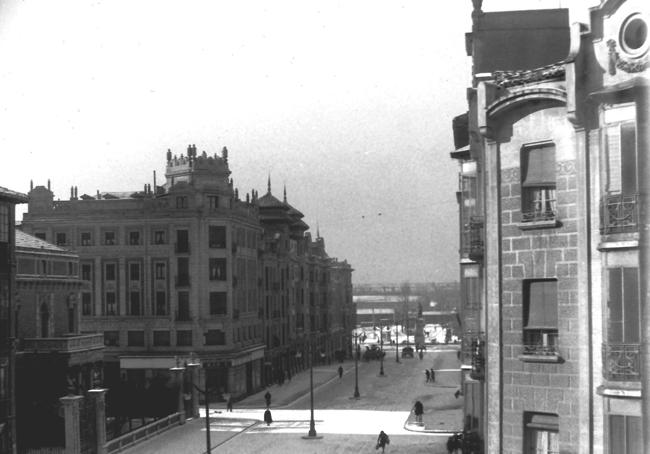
x=554, y=225
x=188, y=271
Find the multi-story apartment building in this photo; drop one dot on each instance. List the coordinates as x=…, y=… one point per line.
x=8, y=201
x=53, y=357
x=554, y=230
x=307, y=295
x=182, y=272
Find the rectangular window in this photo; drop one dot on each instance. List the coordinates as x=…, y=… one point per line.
x=86, y=272
x=625, y=434
x=134, y=238
x=183, y=306
x=183, y=269
x=134, y=271
x=184, y=338
x=538, y=183
x=217, y=268
x=213, y=202
x=161, y=339
x=86, y=239
x=181, y=202
x=218, y=303
x=135, y=338
x=621, y=158
x=540, y=317
x=161, y=303
x=112, y=338
x=182, y=241
x=160, y=271
x=217, y=236
x=109, y=272
x=109, y=238
x=541, y=433
x=135, y=307
x=4, y=223
x=111, y=303
x=159, y=237
x=624, y=305
x=61, y=239
x=215, y=337
x=86, y=304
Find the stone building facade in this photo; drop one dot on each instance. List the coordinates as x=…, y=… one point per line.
x=8, y=201
x=176, y=274
x=554, y=254
x=54, y=358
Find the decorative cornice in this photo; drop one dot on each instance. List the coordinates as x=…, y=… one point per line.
x=513, y=78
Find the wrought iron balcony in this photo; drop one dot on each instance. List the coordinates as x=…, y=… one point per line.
x=473, y=353
x=541, y=342
x=472, y=241
x=619, y=213
x=622, y=362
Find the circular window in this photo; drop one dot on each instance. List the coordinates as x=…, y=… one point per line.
x=634, y=35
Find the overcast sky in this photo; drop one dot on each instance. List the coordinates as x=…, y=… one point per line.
x=347, y=103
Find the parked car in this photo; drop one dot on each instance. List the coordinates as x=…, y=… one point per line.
x=407, y=352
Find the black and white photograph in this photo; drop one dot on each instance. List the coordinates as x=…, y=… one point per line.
x=310, y=227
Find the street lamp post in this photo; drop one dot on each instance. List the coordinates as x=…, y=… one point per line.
x=396, y=341
x=207, y=412
x=356, y=366
x=311, y=435
x=381, y=350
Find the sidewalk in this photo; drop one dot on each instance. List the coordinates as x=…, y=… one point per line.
x=190, y=437
x=442, y=408
x=292, y=390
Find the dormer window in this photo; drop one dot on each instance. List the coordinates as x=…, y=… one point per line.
x=181, y=202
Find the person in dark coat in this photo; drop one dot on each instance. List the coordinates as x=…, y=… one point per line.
x=382, y=441
x=426, y=373
x=433, y=375
x=267, y=397
x=229, y=404
x=267, y=417
x=418, y=409
x=340, y=372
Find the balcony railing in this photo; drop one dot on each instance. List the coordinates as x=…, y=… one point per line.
x=619, y=213
x=473, y=353
x=622, y=362
x=541, y=343
x=538, y=216
x=182, y=280
x=64, y=344
x=472, y=241
x=182, y=248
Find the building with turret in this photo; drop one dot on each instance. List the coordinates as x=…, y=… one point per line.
x=181, y=272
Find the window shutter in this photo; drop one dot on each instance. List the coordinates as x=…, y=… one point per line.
x=542, y=305
x=628, y=158
x=631, y=311
x=615, y=333
x=539, y=168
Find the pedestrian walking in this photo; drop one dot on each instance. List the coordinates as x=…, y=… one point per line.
x=229, y=404
x=267, y=417
x=267, y=398
x=382, y=441
x=340, y=372
x=426, y=373
x=433, y=375
x=418, y=409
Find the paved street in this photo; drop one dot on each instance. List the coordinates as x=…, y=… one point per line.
x=345, y=424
